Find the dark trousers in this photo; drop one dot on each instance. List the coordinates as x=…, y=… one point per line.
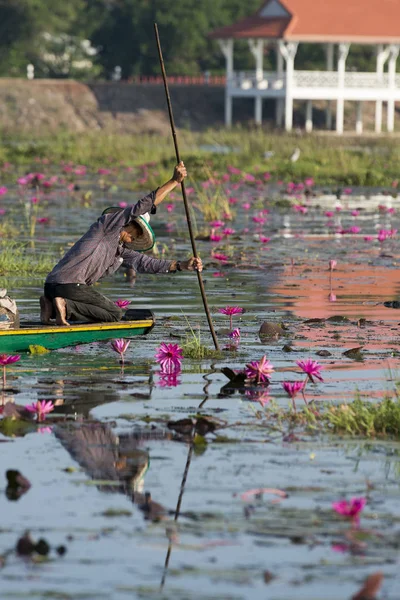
x=84, y=303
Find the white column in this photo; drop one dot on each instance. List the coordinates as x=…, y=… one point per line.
x=257, y=50
x=280, y=103
x=227, y=50
x=258, y=110
x=228, y=109
x=382, y=55
x=359, y=123
x=309, y=121
x=289, y=52
x=330, y=51
x=394, y=53
x=343, y=52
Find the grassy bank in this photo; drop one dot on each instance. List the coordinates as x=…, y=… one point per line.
x=330, y=160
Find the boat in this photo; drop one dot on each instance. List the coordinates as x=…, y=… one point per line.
x=135, y=322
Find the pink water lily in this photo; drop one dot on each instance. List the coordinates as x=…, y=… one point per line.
x=220, y=257
x=230, y=311
x=3, y=190
x=217, y=224
x=260, y=371
x=332, y=265
x=235, y=334
x=228, y=231
x=259, y=219
x=311, y=367
x=292, y=388
x=350, y=508
x=41, y=408
x=263, y=239
x=120, y=346
x=122, y=303
x=169, y=356
x=215, y=237
x=5, y=360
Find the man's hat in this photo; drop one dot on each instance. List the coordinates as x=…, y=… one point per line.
x=147, y=240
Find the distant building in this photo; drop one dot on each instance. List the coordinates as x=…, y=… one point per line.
x=335, y=24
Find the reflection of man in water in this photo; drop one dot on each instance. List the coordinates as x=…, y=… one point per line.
x=107, y=457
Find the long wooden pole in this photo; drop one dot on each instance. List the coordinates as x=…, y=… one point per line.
x=185, y=201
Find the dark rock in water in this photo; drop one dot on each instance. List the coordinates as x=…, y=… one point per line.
x=323, y=353
x=288, y=348
x=25, y=545
x=270, y=331
x=338, y=319
x=42, y=547
x=184, y=426
x=354, y=353
x=17, y=484
x=9, y=314
x=394, y=304
x=205, y=425
x=314, y=321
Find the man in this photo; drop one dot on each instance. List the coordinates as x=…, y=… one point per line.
x=112, y=240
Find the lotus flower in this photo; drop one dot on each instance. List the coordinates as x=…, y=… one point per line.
x=260, y=371
x=169, y=356
x=230, y=311
x=350, y=509
x=120, y=346
x=41, y=408
x=292, y=388
x=235, y=334
x=122, y=303
x=311, y=367
x=7, y=360
x=221, y=257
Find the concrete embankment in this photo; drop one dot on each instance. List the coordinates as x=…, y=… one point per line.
x=48, y=105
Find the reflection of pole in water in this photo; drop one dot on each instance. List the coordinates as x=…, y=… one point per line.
x=177, y=511
x=207, y=385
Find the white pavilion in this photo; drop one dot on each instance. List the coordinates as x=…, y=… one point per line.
x=336, y=25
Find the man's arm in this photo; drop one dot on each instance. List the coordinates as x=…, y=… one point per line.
x=143, y=263
x=178, y=176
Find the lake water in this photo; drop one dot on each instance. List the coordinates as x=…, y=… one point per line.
x=224, y=543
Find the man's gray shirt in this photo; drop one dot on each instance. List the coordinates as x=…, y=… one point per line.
x=99, y=252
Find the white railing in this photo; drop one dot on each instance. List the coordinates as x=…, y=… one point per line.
x=331, y=79
x=248, y=80
x=315, y=79
x=305, y=79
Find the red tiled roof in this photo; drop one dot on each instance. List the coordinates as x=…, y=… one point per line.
x=368, y=21
x=253, y=27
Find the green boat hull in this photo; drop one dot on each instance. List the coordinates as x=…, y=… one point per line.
x=53, y=337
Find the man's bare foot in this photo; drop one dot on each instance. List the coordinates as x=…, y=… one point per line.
x=61, y=311
x=46, y=309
